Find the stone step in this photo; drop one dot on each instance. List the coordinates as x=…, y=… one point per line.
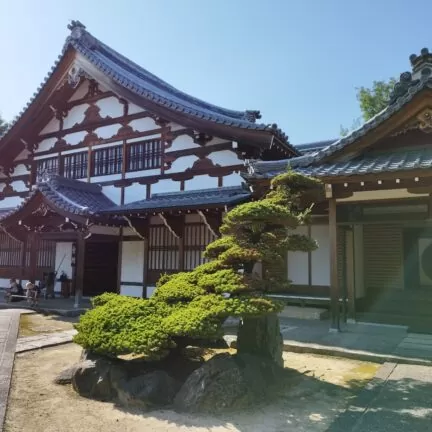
x=304, y=313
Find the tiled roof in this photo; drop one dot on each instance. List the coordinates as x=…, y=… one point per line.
x=403, y=98
x=310, y=148
x=69, y=195
x=186, y=199
x=138, y=80
x=374, y=163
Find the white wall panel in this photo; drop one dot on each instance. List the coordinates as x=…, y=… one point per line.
x=182, y=164
x=298, y=264
x=19, y=186
x=110, y=107
x=233, y=179
x=143, y=124
x=201, y=182
x=52, y=126
x=225, y=158
x=182, y=142
x=113, y=193
x=80, y=92
x=23, y=155
x=134, y=109
x=165, y=185
x=75, y=116
x=131, y=291
x=11, y=202
x=75, y=138
x=105, y=132
x=135, y=192
x=63, y=261
x=46, y=144
x=132, y=262
x=20, y=169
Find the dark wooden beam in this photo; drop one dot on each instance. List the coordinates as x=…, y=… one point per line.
x=80, y=264
x=334, y=279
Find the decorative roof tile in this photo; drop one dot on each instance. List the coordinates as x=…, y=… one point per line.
x=148, y=86
x=373, y=163
x=186, y=200
x=72, y=196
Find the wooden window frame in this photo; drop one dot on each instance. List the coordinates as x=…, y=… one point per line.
x=77, y=168
x=107, y=161
x=144, y=155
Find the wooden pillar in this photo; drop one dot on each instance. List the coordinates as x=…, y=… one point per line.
x=350, y=273
x=334, y=279
x=32, y=238
x=119, y=261
x=23, y=260
x=145, y=266
x=80, y=260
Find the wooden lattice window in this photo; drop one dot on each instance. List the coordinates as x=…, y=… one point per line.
x=49, y=165
x=75, y=165
x=107, y=161
x=46, y=254
x=197, y=237
x=144, y=155
x=10, y=251
x=163, y=253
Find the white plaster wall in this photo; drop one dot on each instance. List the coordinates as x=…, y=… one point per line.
x=225, y=158
x=75, y=116
x=11, y=202
x=20, y=169
x=150, y=291
x=321, y=257
x=298, y=263
x=52, y=126
x=75, y=138
x=134, y=109
x=110, y=107
x=63, y=261
x=143, y=124
x=112, y=144
x=2, y=186
x=233, y=179
x=105, y=178
x=36, y=158
x=135, y=192
x=80, y=92
x=19, y=186
x=201, y=182
x=144, y=173
x=182, y=164
x=45, y=145
x=4, y=282
x=147, y=137
x=165, y=185
x=105, y=132
x=131, y=291
x=113, y=193
x=132, y=267
x=175, y=126
x=182, y=142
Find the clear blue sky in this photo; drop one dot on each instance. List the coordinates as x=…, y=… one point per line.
x=297, y=61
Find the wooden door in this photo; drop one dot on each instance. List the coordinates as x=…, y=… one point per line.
x=100, y=268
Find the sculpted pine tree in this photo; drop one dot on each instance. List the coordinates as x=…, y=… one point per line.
x=190, y=307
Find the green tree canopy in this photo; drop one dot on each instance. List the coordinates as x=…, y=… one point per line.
x=372, y=101
x=193, y=305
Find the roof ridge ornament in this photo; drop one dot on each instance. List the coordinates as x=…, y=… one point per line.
x=77, y=29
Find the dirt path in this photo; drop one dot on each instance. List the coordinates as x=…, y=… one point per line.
x=316, y=397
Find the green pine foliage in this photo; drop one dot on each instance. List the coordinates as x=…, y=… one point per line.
x=193, y=305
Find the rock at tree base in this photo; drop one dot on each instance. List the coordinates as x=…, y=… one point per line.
x=261, y=336
x=153, y=389
x=91, y=379
x=228, y=382
x=65, y=376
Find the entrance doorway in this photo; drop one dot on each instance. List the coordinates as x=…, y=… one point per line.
x=100, y=268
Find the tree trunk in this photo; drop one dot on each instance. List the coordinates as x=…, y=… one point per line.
x=261, y=336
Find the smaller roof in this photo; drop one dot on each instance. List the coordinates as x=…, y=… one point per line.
x=73, y=196
x=185, y=199
x=372, y=163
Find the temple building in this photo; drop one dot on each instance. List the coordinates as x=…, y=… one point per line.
x=374, y=227
x=110, y=176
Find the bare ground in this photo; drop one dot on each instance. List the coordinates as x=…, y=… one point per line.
x=321, y=388
x=32, y=324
